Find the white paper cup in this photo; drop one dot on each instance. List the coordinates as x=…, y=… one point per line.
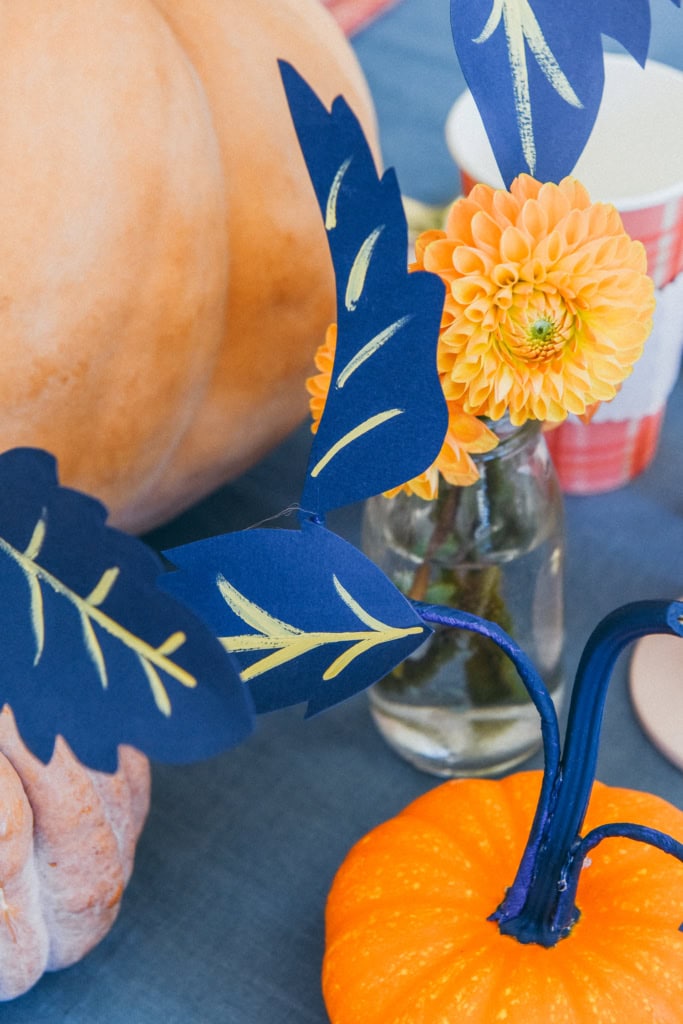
x=633, y=159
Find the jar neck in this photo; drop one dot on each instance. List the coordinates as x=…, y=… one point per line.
x=510, y=437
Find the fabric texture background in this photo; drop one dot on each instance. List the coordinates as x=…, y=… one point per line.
x=224, y=917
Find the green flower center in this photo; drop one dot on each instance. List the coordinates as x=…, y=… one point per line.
x=541, y=329
x=537, y=327
x=540, y=339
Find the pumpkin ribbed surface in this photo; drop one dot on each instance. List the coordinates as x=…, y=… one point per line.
x=67, y=845
x=408, y=940
x=165, y=269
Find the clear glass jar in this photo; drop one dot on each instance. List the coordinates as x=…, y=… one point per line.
x=457, y=706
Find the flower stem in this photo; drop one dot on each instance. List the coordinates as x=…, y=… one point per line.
x=539, y=906
x=444, y=524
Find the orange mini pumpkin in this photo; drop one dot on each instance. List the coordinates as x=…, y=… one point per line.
x=165, y=273
x=425, y=927
x=408, y=935
x=67, y=844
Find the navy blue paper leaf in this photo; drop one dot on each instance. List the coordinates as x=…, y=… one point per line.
x=307, y=616
x=385, y=418
x=91, y=648
x=535, y=69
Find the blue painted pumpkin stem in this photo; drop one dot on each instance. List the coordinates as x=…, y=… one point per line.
x=539, y=906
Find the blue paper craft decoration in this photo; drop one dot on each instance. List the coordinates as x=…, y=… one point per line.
x=91, y=648
x=96, y=651
x=103, y=650
x=309, y=617
x=383, y=422
x=535, y=70
x=306, y=615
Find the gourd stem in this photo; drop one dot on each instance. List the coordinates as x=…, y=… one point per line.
x=539, y=906
x=547, y=913
x=638, y=833
x=539, y=695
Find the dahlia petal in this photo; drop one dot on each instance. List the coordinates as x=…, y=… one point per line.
x=483, y=196
x=524, y=187
x=438, y=256
x=573, y=264
x=534, y=220
x=515, y=245
x=478, y=308
x=459, y=220
x=468, y=260
x=603, y=392
x=504, y=298
x=492, y=318
x=576, y=193
x=554, y=413
x=550, y=248
x=573, y=229
x=573, y=403
x=486, y=233
x=504, y=207
x=319, y=384
x=587, y=415
x=613, y=224
x=459, y=470
x=577, y=377
x=556, y=204
x=505, y=275
x=611, y=251
x=534, y=271
x=503, y=383
x=469, y=290
x=472, y=434
x=606, y=370
x=425, y=486
x=422, y=242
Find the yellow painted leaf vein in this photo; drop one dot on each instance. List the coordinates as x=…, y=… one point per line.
x=359, y=269
x=522, y=29
x=99, y=594
x=37, y=617
x=94, y=649
x=352, y=435
x=250, y=613
x=286, y=642
x=331, y=207
x=147, y=654
x=368, y=350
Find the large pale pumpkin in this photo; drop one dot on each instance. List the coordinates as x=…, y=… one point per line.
x=67, y=843
x=165, y=271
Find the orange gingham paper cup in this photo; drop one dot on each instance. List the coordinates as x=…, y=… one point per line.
x=634, y=159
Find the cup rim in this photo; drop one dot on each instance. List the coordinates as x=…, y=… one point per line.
x=625, y=204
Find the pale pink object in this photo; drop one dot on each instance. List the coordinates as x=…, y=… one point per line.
x=67, y=844
x=656, y=677
x=353, y=14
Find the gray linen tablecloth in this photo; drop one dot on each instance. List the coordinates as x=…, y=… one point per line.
x=223, y=920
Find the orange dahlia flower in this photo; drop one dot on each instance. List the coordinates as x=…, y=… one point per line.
x=548, y=303
x=466, y=434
